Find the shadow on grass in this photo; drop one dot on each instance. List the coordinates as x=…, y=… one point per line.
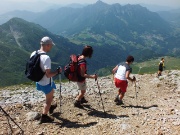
x=71, y=124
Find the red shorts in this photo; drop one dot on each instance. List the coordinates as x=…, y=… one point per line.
x=122, y=84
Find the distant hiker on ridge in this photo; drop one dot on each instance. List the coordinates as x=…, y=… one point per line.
x=46, y=84
x=122, y=72
x=161, y=66
x=82, y=71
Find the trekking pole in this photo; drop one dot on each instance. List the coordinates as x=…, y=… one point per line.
x=135, y=92
x=7, y=115
x=60, y=89
x=100, y=96
x=112, y=78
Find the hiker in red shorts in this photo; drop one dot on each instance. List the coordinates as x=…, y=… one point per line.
x=122, y=72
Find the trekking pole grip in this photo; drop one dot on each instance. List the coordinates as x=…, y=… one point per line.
x=59, y=69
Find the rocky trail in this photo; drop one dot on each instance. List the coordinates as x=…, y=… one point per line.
x=155, y=110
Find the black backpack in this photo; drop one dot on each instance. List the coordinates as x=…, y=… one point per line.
x=33, y=70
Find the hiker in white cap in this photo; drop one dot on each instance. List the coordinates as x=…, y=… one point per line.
x=46, y=84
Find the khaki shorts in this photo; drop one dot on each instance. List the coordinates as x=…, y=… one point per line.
x=82, y=85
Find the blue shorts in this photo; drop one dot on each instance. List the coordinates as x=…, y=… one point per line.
x=47, y=88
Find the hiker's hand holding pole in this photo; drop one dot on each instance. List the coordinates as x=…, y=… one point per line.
x=131, y=79
x=91, y=76
x=95, y=77
x=59, y=70
x=97, y=81
x=134, y=79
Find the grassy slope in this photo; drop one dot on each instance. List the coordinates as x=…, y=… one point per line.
x=147, y=67
x=151, y=66
x=12, y=65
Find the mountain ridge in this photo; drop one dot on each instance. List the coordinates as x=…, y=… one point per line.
x=114, y=31
x=87, y=16
x=18, y=39
x=21, y=38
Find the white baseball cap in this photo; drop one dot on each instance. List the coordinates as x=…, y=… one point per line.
x=46, y=40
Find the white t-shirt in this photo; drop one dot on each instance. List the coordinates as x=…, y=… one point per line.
x=121, y=71
x=45, y=63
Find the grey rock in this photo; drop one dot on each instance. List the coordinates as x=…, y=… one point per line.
x=153, y=108
x=155, y=80
x=176, y=123
x=125, y=126
x=33, y=116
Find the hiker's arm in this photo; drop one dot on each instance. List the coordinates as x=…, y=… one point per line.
x=50, y=74
x=83, y=74
x=163, y=65
x=114, y=70
x=47, y=67
x=129, y=78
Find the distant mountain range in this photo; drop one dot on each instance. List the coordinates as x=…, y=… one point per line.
x=156, y=8
x=114, y=31
x=131, y=27
x=172, y=16
x=114, y=18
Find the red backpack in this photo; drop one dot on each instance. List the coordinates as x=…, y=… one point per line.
x=71, y=69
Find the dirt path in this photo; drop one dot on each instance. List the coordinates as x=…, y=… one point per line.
x=156, y=110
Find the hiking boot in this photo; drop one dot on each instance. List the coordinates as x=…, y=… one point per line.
x=116, y=99
x=46, y=119
x=119, y=102
x=83, y=100
x=51, y=110
x=78, y=104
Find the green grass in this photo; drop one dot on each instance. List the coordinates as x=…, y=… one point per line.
x=151, y=66
x=146, y=67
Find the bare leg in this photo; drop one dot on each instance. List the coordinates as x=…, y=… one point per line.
x=47, y=105
x=159, y=73
x=119, y=91
x=81, y=95
x=121, y=95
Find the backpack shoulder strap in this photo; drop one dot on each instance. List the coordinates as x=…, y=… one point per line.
x=40, y=53
x=74, y=58
x=81, y=61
